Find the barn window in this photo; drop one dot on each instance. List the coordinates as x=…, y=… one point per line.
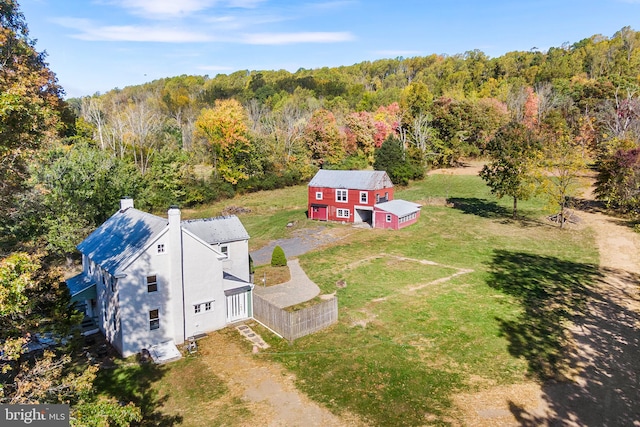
x=318, y=195
x=364, y=197
x=343, y=213
x=388, y=217
x=341, y=196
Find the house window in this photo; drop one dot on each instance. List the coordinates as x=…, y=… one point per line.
x=160, y=248
x=154, y=319
x=341, y=195
x=152, y=283
x=388, y=217
x=318, y=195
x=197, y=308
x=343, y=213
x=364, y=197
x=225, y=250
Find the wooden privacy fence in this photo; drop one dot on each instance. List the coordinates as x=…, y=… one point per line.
x=295, y=324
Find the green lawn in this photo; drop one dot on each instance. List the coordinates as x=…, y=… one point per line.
x=463, y=298
x=397, y=356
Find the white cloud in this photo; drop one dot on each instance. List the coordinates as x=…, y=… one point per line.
x=90, y=31
x=292, y=38
x=245, y=4
x=165, y=9
x=87, y=30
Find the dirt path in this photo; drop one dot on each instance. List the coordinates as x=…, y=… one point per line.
x=268, y=391
x=606, y=388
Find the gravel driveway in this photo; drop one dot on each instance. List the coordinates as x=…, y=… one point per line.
x=303, y=241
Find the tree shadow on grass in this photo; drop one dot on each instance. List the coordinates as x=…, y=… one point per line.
x=134, y=383
x=578, y=334
x=479, y=207
x=551, y=291
x=489, y=209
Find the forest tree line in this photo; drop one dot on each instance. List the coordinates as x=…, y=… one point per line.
x=189, y=140
x=194, y=139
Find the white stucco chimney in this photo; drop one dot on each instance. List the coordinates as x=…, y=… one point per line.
x=176, y=285
x=173, y=214
x=126, y=203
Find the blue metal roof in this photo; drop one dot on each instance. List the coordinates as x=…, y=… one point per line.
x=115, y=243
x=356, y=180
x=81, y=286
x=217, y=230
x=398, y=207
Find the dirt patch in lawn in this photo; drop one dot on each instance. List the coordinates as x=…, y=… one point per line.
x=468, y=167
x=266, y=390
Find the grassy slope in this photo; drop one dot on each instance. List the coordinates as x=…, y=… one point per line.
x=398, y=355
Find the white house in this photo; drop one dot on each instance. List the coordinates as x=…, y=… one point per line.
x=148, y=280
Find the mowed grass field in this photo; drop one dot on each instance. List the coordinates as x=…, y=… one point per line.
x=463, y=300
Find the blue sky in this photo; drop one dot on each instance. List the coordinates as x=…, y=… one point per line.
x=97, y=45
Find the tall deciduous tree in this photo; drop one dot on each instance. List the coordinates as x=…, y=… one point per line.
x=78, y=188
x=30, y=99
x=324, y=139
x=179, y=98
x=514, y=151
x=360, y=132
x=561, y=173
x=144, y=126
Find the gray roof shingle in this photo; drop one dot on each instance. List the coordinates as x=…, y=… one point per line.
x=217, y=230
x=121, y=237
x=357, y=180
x=398, y=207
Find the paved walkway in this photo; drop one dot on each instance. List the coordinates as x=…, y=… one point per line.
x=299, y=289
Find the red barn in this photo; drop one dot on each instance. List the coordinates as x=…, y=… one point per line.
x=349, y=196
x=359, y=197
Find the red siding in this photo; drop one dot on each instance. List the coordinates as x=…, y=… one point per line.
x=353, y=200
x=394, y=224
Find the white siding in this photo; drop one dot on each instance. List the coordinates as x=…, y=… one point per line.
x=238, y=262
x=136, y=302
x=203, y=283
